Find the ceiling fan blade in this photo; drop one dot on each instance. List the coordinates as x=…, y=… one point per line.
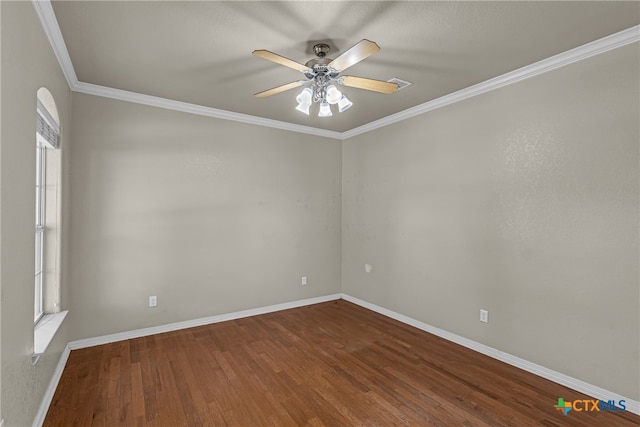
x=279, y=89
x=361, y=50
x=278, y=59
x=369, y=84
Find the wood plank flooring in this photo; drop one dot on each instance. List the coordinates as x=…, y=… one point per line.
x=330, y=364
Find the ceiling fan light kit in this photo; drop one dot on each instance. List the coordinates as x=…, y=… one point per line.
x=323, y=74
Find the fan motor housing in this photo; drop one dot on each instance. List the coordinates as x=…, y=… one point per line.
x=318, y=63
x=320, y=68
x=321, y=49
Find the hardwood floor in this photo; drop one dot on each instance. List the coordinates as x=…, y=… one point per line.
x=330, y=364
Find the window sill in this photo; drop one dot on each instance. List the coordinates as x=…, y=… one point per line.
x=44, y=331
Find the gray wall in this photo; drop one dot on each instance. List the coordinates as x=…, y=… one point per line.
x=212, y=216
x=27, y=64
x=522, y=201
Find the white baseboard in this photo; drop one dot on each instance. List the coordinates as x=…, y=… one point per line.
x=51, y=389
x=90, y=342
x=121, y=336
x=557, y=377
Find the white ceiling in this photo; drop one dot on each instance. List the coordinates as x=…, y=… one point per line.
x=200, y=52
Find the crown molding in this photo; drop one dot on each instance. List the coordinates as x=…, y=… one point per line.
x=51, y=28
x=585, y=51
x=185, y=107
x=50, y=25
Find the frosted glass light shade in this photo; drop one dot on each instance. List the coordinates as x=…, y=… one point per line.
x=344, y=104
x=303, y=108
x=304, y=97
x=304, y=100
x=333, y=94
x=325, y=110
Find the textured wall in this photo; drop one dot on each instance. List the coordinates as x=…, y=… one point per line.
x=212, y=216
x=27, y=64
x=1, y=418
x=522, y=201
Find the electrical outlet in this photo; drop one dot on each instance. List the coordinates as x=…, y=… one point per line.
x=484, y=316
x=367, y=268
x=303, y=281
x=153, y=301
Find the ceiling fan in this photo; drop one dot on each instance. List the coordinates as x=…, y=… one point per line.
x=323, y=73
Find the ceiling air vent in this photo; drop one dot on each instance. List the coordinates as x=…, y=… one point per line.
x=401, y=83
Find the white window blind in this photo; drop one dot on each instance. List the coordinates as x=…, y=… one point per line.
x=46, y=128
x=47, y=132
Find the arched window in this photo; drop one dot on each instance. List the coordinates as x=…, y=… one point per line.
x=47, y=315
